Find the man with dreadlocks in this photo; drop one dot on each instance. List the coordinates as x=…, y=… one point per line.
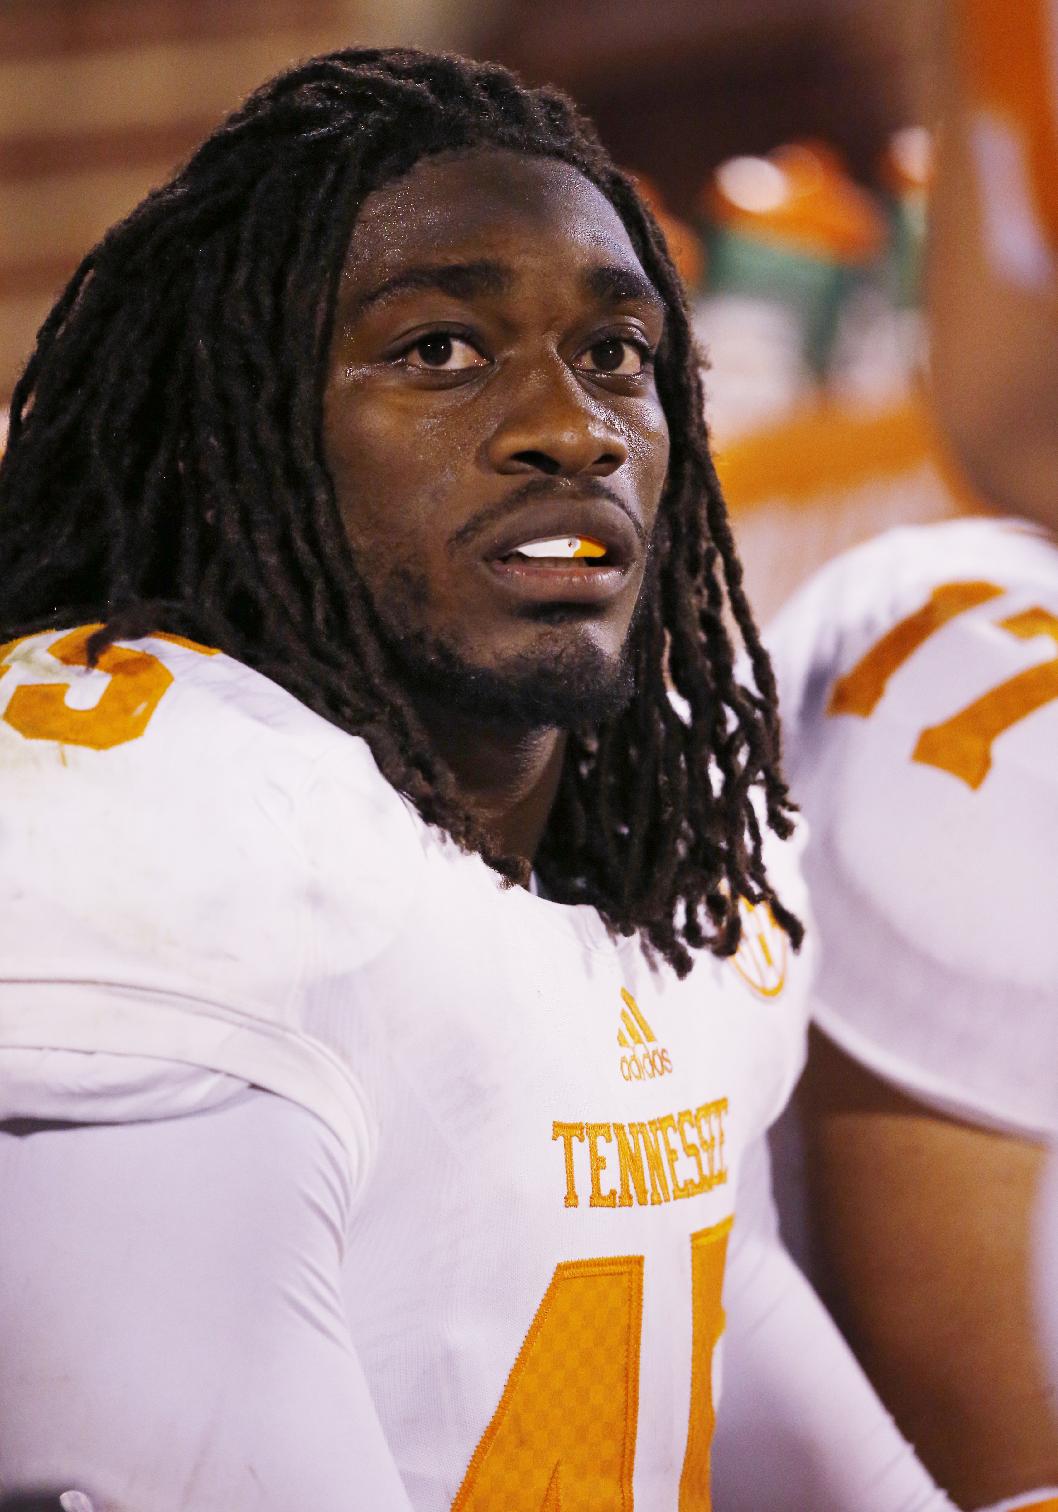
x=396, y=980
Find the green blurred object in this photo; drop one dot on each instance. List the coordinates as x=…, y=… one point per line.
x=905, y=171
x=814, y=288
x=793, y=229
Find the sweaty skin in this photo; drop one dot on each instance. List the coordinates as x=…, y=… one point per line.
x=492, y=366
x=921, y=1228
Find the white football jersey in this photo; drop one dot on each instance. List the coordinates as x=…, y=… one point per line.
x=543, y=1132
x=919, y=689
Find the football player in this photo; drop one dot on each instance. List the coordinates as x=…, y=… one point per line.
x=919, y=684
x=395, y=987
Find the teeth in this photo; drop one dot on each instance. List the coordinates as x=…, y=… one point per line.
x=562, y=546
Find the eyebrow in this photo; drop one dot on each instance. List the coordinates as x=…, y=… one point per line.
x=611, y=284
x=461, y=280
x=621, y=284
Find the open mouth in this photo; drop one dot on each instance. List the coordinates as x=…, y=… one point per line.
x=567, y=569
x=560, y=551
x=576, y=550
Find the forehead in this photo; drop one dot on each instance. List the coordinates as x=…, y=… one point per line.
x=481, y=204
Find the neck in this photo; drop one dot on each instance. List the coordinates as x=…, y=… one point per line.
x=508, y=779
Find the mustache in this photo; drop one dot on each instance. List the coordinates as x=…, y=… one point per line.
x=542, y=488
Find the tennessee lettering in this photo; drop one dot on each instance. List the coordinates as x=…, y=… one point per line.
x=662, y=1160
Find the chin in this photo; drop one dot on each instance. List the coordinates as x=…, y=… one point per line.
x=560, y=677
x=564, y=682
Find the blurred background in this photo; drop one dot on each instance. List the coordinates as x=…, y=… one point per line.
x=784, y=144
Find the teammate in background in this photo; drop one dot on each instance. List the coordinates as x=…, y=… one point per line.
x=352, y=853
x=919, y=689
x=993, y=293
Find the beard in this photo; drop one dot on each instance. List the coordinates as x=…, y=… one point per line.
x=565, y=682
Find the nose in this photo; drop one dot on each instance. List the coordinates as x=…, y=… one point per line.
x=551, y=425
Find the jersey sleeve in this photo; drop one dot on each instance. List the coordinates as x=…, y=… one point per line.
x=188, y=858
x=919, y=687
x=799, y=1424
x=175, y=1330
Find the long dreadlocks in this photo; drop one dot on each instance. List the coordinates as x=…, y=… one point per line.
x=166, y=470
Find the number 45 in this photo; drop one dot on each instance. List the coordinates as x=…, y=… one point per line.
x=563, y=1437
x=962, y=744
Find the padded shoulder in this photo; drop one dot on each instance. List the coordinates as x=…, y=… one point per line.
x=184, y=849
x=919, y=682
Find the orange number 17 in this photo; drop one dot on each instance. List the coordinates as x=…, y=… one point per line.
x=962, y=744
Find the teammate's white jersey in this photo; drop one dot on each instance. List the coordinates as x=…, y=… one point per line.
x=919, y=690
x=542, y=1133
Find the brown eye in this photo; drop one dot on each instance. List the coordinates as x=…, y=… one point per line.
x=443, y=351
x=622, y=358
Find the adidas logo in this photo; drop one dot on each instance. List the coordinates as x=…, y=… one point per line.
x=643, y=1062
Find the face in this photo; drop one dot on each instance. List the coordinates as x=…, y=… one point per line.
x=493, y=431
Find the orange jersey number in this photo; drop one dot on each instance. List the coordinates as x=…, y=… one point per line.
x=563, y=1436
x=138, y=682
x=961, y=745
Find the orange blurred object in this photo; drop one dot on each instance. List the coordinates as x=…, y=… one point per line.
x=826, y=478
x=799, y=196
x=908, y=162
